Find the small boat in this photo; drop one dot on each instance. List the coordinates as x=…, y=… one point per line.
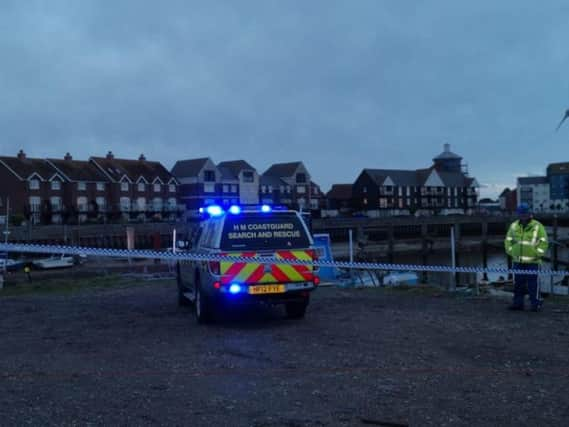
x=401, y=278
x=54, y=262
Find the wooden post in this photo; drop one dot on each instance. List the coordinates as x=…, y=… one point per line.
x=485, y=249
x=391, y=243
x=555, y=245
x=424, y=251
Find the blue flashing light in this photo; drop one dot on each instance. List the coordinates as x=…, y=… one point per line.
x=214, y=210
x=234, y=288
x=201, y=210
x=266, y=209
x=235, y=210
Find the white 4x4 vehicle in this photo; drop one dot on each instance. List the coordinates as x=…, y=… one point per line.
x=248, y=233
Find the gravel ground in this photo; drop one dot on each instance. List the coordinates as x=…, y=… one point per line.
x=131, y=356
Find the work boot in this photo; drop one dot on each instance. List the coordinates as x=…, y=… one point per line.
x=515, y=308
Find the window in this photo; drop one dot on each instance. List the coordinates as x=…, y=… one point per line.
x=301, y=189
x=225, y=188
x=172, y=204
x=141, y=204
x=125, y=204
x=100, y=186
x=300, y=178
x=234, y=188
x=56, y=184
x=209, y=176
x=288, y=189
x=157, y=204
x=141, y=186
x=248, y=176
x=34, y=184
x=101, y=203
x=172, y=188
x=157, y=188
x=270, y=188
x=315, y=191
x=55, y=203
x=364, y=190
x=81, y=186
x=263, y=189
x=365, y=201
x=82, y=204
x=124, y=186
x=209, y=188
x=313, y=204
x=282, y=189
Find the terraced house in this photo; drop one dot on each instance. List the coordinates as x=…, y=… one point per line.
x=443, y=188
x=139, y=189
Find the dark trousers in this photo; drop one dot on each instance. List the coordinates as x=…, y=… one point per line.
x=526, y=284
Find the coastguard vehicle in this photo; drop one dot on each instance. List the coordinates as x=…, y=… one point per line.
x=248, y=232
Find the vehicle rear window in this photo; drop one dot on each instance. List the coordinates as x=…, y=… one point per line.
x=264, y=231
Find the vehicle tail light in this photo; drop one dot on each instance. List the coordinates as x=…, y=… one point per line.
x=316, y=280
x=214, y=267
x=314, y=255
x=217, y=285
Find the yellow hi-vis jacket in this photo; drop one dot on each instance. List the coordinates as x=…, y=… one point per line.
x=526, y=245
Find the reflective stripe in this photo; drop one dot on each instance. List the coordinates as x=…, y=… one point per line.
x=509, y=238
x=541, y=251
x=526, y=242
x=534, y=240
x=543, y=239
x=527, y=258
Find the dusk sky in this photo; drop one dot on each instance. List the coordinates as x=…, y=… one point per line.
x=340, y=85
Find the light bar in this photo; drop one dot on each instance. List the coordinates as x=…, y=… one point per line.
x=214, y=210
x=235, y=210
x=235, y=288
x=266, y=208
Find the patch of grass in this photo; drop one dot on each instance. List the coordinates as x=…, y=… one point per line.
x=69, y=285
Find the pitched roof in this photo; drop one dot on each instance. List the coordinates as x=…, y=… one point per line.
x=79, y=170
x=532, y=180
x=558, y=168
x=274, y=181
x=340, y=192
x=189, y=167
x=455, y=179
x=117, y=168
x=227, y=174
x=505, y=192
x=398, y=176
x=283, y=169
x=24, y=167
x=236, y=166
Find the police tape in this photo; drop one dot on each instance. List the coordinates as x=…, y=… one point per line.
x=194, y=256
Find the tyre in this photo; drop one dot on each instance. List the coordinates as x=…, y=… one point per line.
x=296, y=309
x=203, y=306
x=182, y=300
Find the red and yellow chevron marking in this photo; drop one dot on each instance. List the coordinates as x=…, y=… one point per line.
x=251, y=272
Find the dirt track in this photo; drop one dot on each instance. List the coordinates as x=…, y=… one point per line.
x=131, y=356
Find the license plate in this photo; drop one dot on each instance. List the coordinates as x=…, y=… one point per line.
x=267, y=289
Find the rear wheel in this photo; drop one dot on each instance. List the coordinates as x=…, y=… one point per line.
x=203, y=306
x=296, y=309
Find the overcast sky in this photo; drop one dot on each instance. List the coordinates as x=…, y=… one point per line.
x=341, y=85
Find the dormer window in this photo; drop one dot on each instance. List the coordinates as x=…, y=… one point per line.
x=248, y=176
x=172, y=188
x=34, y=184
x=157, y=188
x=56, y=184
x=141, y=186
x=209, y=176
x=124, y=186
x=81, y=186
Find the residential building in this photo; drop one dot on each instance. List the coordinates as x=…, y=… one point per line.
x=339, y=200
x=139, y=188
x=33, y=186
x=245, y=176
x=535, y=191
x=443, y=188
x=85, y=191
x=202, y=183
x=288, y=184
x=558, y=178
x=508, y=200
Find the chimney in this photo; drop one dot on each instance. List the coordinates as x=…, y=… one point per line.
x=142, y=158
x=110, y=155
x=447, y=148
x=21, y=155
x=68, y=157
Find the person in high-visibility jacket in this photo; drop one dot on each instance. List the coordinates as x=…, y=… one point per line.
x=526, y=243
